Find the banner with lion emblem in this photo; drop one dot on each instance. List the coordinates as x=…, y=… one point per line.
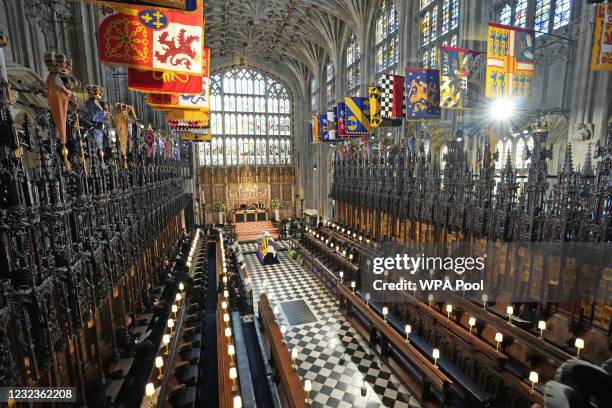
x=422, y=94
x=153, y=39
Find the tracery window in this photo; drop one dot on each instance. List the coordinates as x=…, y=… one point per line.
x=314, y=92
x=439, y=25
x=330, y=79
x=353, y=66
x=513, y=13
x=387, y=38
x=246, y=104
x=542, y=16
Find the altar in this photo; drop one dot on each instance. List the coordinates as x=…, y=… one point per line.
x=251, y=215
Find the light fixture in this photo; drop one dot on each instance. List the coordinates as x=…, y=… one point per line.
x=174, y=310
x=149, y=390
x=170, y=325
x=471, y=322
x=233, y=374
x=498, y=339
x=228, y=332
x=231, y=351
x=449, y=310
x=225, y=294
x=509, y=311
x=385, y=311
x=367, y=296
x=436, y=355
x=485, y=298
x=314, y=168
x=353, y=286
x=181, y=286
x=237, y=401
x=360, y=238
x=159, y=363
x=579, y=343
x=294, y=356
x=283, y=330
x=408, y=330
x=226, y=318
x=542, y=327
x=307, y=388
x=341, y=275
x=276, y=310
x=224, y=305
x=166, y=341
x=351, y=257
x=368, y=240
x=178, y=297
x=225, y=280
x=502, y=109
x=430, y=299
x=534, y=378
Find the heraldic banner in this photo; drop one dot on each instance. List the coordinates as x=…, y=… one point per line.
x=188, y=115
x=357, y=116
x=602, y=45
x=185, y=5
x=340, y=114
x=153, y=39
x=392, y=99
x=315, y=129
x=460, y=77
x=374, y=96
x=422, y=94
x=170, y=82
x=510, y=61
x=332, y=126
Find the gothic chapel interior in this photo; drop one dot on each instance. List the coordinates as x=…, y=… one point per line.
x=306, y=203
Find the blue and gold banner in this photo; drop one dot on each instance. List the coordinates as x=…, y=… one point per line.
x=422, y=94
x=510, y=61
x=461, y=73
x=323, y=127
x=357, y=116
x=332, y=126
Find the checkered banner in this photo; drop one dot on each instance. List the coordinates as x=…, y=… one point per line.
x=392, y=102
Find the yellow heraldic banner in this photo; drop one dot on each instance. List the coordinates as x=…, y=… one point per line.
x=510, y=61
x=602, y=44
x=188, y=115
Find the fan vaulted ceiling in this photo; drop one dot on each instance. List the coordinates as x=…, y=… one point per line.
x=291, y=32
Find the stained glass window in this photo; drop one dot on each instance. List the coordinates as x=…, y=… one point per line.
x=245, y=104
x=542, y=16
x=353, y=66
x=387, y=38
x=330, y=79
x=314, y=88
x=563, y=9
x=439, y=24
x=505, y=15
x=520, y=13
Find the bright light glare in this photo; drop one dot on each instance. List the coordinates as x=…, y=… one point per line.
x=502, y=109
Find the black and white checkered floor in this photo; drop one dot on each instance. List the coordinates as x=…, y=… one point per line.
x=343, y=369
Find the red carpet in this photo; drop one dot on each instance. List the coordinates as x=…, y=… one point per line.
x=249, y=231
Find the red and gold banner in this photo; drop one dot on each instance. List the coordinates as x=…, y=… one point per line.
x=153, y=39
x=187, y=5
x=602, y=45
x=188, y=115
x=154, y=82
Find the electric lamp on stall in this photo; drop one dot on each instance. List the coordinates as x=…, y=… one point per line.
x=354, y=235
x=181, y=287
x=368, y=240
x=350, y=257
x=579, y=344
x=233, y=374
x=367, y=297
x=228, y=332
x=231, y=351
x=449, y=310
x=237, y=402
x=174, y=310
x=430, y=299
x=408, y=330
x=385, y=311
x=509, y=312
x=341, y=275
x=485, y=298
x=225, y=294
x=225, y=280
x=360, y=238
x=353, y=286
x=436, y=355
x=276, y=310
x=498, y=339
x=166, y=341
x=149, y=390
x=471, y=322
x=542, y=327
x=307, y=388
x=533, y=378
x=224, y=305
x=159, y=363
x=283, y=330
x=170, y=325
x=226, y=318
x=294, y=356
x=178, y=297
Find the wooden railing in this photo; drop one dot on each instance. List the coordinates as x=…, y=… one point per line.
x=291, y=389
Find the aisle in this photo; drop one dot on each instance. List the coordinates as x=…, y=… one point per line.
x=343, y=369
x=208, y=395
x=258, y=369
